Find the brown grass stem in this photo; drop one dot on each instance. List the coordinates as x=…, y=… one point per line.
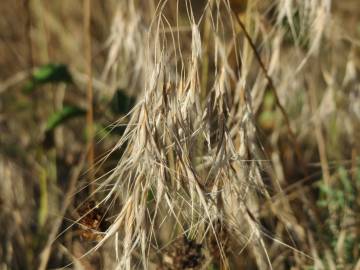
x=67, y=200
x=272, y=87
x=90, y=113
x=28, y=25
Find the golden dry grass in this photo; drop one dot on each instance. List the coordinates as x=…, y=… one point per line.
x=240, y=152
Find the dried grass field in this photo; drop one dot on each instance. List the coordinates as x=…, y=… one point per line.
x=180, y=134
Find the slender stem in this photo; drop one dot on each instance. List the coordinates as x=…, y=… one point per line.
x=28, y=25
x=272, y=87
x=67, y=200
x=320, y=138
x=354, y=154
x=90, y=114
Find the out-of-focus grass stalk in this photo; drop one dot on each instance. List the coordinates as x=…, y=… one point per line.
x=90, y=114
x=321, y=143
x=354, y=155
x=43, y=210
x=273, y=88
x=204, y=77
x=205, y=59
x=28, y=23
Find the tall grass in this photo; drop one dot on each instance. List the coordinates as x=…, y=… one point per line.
x=192, y=141
x=241, y=150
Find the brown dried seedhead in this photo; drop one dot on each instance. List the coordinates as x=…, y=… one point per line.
x=93, y=221
x=183, y=254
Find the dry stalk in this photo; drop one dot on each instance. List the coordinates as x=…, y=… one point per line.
x=191, y=143
x=89, y=92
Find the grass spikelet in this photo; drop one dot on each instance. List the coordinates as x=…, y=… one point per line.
x=194, y=154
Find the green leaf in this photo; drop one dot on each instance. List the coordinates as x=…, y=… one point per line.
x=269, y=101
x=121, y=103
x=63, y=115
x=213, y=267
x=50, y=73
x=150, y=196
x=345, y=180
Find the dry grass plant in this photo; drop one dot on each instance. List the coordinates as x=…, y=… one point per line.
x=201, y=182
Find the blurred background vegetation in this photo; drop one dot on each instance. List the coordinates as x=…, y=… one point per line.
x=52, y=116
